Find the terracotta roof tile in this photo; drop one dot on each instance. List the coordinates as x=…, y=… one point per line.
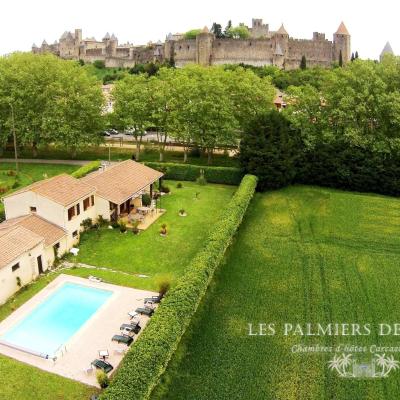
x=342, y=30
x=16, y=241
x=62, y=189
x=46, y=230
x=119, y=182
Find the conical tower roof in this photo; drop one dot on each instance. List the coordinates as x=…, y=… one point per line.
x=282, y=30
x=387, y=49
x=107, y=36
x=205, y=30
x=342, y=30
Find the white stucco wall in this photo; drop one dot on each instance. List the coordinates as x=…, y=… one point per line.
x=102, y=207
x=27, y=271
x=19, y=204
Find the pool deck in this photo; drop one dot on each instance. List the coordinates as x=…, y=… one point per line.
x=76, y=356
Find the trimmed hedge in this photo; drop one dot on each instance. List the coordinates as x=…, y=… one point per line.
x=188, y=172
x=86, y=169
x=148, y=358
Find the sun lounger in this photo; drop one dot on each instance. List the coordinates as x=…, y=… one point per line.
x=103, y=365
x=153, y=299
x=122, y=339
x=134, y=315
x=94, y=279
x=135, y=328
x=145, y=311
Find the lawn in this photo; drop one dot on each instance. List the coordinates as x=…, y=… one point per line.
x=303, y=254
x=29, y=173
x=149, y=253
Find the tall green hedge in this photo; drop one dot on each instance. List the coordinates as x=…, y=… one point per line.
x=87, y=168
x=148, y=358
x=188, y=172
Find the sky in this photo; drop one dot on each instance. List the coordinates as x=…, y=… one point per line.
x=24, y=22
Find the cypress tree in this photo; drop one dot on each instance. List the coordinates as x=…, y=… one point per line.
x=340, y=59
x=303, y=62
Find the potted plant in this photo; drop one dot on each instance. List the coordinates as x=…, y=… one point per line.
x=163, y=230
x=122, y=226
x=182, y=213
x=135, y=229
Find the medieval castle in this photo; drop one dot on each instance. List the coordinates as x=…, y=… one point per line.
x=263, y=47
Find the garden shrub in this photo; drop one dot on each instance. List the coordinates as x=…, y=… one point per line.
x=146, y=200
x=86, y=169
x=102, y=379
x=148, y=358
x=188, y=172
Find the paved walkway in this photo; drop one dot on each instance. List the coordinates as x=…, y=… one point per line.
x=42, y=161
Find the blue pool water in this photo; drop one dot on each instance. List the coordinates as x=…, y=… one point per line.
x=53, y=322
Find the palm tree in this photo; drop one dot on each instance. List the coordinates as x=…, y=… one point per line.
x=381, y=362
x=335, y=364
x=391, y=363
x=345, y=362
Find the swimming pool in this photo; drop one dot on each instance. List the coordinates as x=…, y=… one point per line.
x=53, y=322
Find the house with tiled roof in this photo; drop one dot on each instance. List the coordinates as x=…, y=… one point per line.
x=44, y=220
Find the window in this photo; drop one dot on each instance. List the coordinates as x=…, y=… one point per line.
x=74, y=234
x=86, y=204
x=78, y=209
x=15, y=267
x=92, y=199
x=33, y=209
x=71, y=213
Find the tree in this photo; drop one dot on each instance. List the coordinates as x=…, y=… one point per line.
x=239, y=32
x=303, y=62
x=356, y=55
x=99, y=64
x=216, y=29
x=227, y=29
x=352, y=57
x=133, y=108
x=340, y=59
x=269, y=149
x=54, y=101
x=192, y=33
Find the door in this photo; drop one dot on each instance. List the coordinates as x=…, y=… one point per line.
x=40, y=264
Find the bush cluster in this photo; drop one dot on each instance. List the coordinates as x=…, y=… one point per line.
x=147, y=360
x=187, y=172
x=86, y=169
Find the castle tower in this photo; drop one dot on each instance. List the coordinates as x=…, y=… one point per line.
x=77, y=44
x=204, y=44
x=279, y=56
x=169, y=48
x=342, y=43
x=281, y=41
x=113, y=43
x=386, y=50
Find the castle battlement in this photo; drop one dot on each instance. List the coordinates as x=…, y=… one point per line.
x=264, y=47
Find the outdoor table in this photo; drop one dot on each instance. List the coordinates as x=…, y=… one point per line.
x=103, y=354
x=143, y=210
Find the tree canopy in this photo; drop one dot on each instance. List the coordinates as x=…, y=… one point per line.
x=54, y=101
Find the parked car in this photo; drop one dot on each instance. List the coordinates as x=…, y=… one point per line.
x=106, y=133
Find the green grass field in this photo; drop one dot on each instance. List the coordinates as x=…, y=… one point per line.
x=149, y=253
x=303, y=254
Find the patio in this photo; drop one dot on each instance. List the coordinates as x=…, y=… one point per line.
x=145, y=217
x=92, y=341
